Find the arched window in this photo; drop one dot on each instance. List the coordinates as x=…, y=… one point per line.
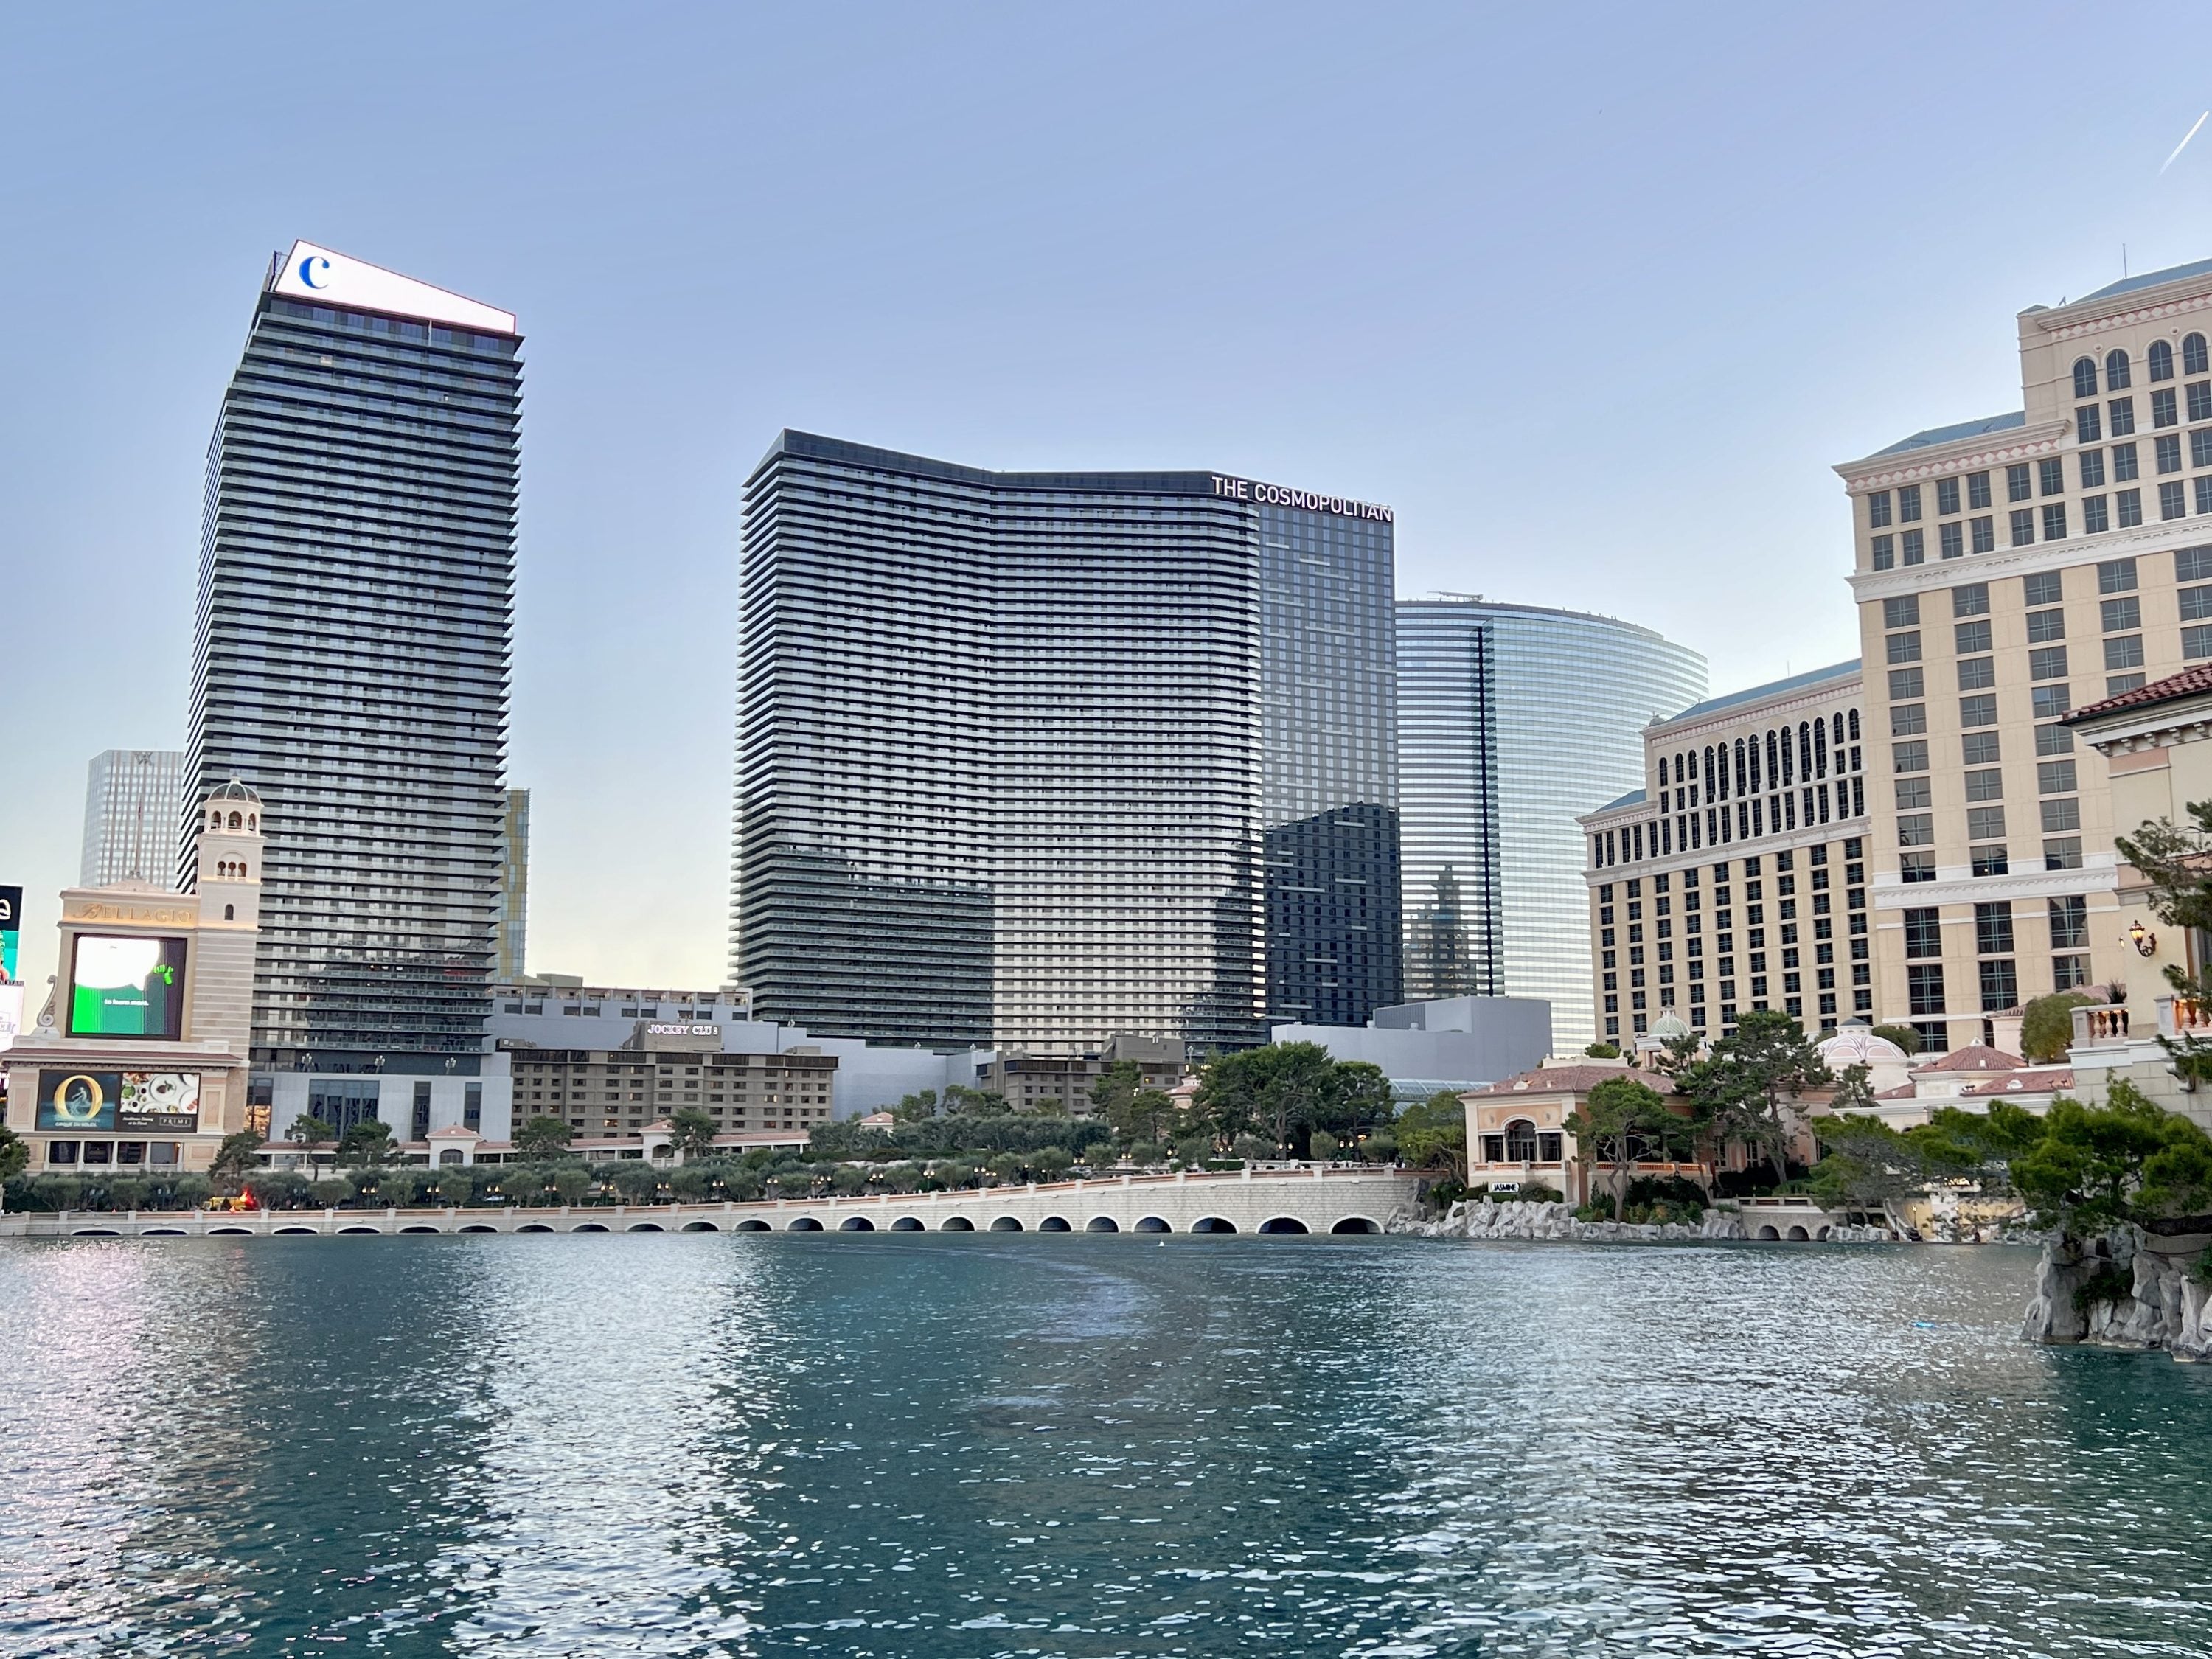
x=1839, y=735
x=2116, y=378
x=242, y=873
x=1739, y=773
x=2161, y=358
x=2085, y=377
x=1820, y=748
x=230, y=913
x=254, y=820
x=1597, y=851
x=1855, y=725
x=1804, y=751
x=1709, y=772
x=214, y=820
x=1520, y=1141
x=237, y=821
x=2194, y=358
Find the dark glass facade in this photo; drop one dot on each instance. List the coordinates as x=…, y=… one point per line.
x=356, y=581
x=1041, y=759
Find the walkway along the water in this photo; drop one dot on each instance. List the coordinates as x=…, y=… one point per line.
x=1315, y=1199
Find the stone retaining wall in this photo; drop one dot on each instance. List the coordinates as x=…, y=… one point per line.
x=1549, y=1223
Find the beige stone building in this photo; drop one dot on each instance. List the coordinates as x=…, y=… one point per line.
x=2010, y=570
x=663, y=1069
x=1736, y=877
x=137, y=1064
x=2156, y=743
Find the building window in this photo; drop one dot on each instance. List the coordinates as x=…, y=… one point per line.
x=1985, y=784
x=2119, y=615
x=1924, y=986
x=2047, y=662
x=1915, y=829
x=1990, y=861
x=2064, y=853
x=1924, y=932
x=2123, y=463
x=2204, y=492
x=2163, y=413
x=2069, y=973
x=1970, y=638
x=2122, y=414
x=1985, y=534
x=1913, y=866
x=2062, y=814
x=1978, y=673
x=2048, y=703
x=1908, y=504
x=2200, y=403
x=1905, y=719
x=472, y=1106
x=2172, y=501
x=2089, y=424
x=1912, y=547
x=2166, y=452
x=1902, y=612
x=1979, y=748
x=2095, y=519
x=1971, y=600
x=2045, y=625
x=2123, y=651
x=1984, y=823
x=1878, y=509
x=2018, y=485
x=2054, y=777
x=1993, y=930
x=2158, y=360
x=1978, y=710
x=1913, y=794
x=2023, y=527
x=2069, y=923
x=2193, y=358
x=2054, y=522
x=1999, y=986
x=1977, y=489
x=1884, y=550
x=2092, y=468
x=1910, y=756
x=1952, y=540
x=1946, y=495
x=2053, y=740
x=2115, y=370
x=2052, y=475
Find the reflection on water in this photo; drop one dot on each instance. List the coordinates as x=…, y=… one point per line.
x=907, y=1446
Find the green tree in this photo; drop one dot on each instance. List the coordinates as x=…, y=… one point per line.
x=976, y=1103
x=14, y=1154
x=694, y=1132
x=1431, y=1134
x=2046, y=1026
x=330, y=1192
x=690, y=1181
x=2127, y=1161
x=1622, y=1121
x=542, y=1138
x=235, y=1159
x=524, y=1183
x=1052, y=1162
x=1271, y=1092
x=1742, y=1089
x=572, y=1182
x=1121, y=1100
x=1320, y=1146
x=1866, y=1166
x=1903, y=1036
x=366, y=1144
x=1251, y=1148
x=916, y=1107
x=305, y=1130
x=1602, y=1051
x=638, y=1182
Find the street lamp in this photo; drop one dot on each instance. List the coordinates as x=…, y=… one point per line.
x=2142, y=939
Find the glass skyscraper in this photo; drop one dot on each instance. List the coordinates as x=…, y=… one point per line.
x=356, y=597
x=1042, y=759
x=1513, y=720
x=133, y=802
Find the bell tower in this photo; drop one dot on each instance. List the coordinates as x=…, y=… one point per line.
x=227, y=865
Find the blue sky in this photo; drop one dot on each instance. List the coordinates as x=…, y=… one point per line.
x=1595, y=296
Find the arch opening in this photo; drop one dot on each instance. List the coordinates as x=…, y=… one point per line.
x=805, y=1223
x=1152, y=1224
x=754, y=1224
x=645, y=1227
x=1355, y=1223
x=700, y=1227
x=1212, y=1224
x=535, y=1227
x=856, y=1224
x=585, y=1227
x=956, y=1223
x=1102, y=1224
x=1799, y=1235
x=1767, y=1234
x=1053, y=1224
x=1005, y=1223
x=907, y=1224
x=1283, y=1223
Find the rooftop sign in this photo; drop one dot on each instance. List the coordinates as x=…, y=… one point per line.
x=1267, y=495
x=309, y=273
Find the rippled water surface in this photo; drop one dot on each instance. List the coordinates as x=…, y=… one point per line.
x=983, y=1445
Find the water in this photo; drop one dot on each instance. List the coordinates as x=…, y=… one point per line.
x=973, y=1446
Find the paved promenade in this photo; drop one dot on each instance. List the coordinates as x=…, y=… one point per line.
x=1311, y=1200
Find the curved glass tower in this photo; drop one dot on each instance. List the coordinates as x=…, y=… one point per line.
x=1513, y=720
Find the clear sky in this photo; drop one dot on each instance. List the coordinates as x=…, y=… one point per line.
x=1595, y=296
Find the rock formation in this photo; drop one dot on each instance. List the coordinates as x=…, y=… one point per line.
x=1533, y=1223
x=2124, y=1289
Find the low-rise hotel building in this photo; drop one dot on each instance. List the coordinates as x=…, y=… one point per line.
x=1736, y=877
x=137, y=1064
x=2010, y=570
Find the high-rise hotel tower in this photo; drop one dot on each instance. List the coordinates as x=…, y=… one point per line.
x=1041, y=758
x=356, y=578
x=2010, y=570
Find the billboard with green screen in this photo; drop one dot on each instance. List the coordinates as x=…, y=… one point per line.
x=127, y=986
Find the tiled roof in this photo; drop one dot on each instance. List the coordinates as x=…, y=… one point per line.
x=2189, y=683
x=1944, y=435
x=1975, y=1057
x=1571, y=1080
x=2040, y=1079
x=2149, y=279
x=1772, y=689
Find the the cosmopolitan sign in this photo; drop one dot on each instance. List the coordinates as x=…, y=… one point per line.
x=1267, y=495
